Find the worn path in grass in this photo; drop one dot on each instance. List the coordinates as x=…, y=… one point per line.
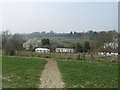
x=51, y=76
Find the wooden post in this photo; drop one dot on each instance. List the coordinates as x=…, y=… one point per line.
x=70, y=55
x=84, y=55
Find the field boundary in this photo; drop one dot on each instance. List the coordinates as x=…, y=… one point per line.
x=96, y=62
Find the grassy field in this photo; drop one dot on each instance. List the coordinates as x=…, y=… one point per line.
x=21, y=72
x=67, y=41
x=89, y=75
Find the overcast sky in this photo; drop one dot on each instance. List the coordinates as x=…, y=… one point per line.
x=64, y=17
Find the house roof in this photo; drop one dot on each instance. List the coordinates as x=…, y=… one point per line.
x=64, y=48
x=42, y=49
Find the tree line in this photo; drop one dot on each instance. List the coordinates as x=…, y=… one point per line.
x=11, y=43
x=73, y=34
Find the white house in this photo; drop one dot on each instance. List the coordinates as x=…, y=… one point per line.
x=65, y=50
x=45, y=50
x=113, y=45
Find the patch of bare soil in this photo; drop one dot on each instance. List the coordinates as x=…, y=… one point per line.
x=51, y=77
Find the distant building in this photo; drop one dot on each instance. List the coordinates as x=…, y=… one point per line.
x=70, y=50
x=107, y=54
x=113, y=45
x=43, y=50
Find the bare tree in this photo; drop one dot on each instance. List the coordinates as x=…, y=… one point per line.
x=5, y=37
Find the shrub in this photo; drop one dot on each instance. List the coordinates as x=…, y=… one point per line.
x=12, y=52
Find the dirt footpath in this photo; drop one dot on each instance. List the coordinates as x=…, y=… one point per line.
x=51, y=76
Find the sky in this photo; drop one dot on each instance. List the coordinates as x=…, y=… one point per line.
x=63, y=17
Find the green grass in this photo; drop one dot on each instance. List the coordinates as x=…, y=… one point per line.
x=88, y=75
x=21, y=72
x=66, y=41
x=79, y=40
